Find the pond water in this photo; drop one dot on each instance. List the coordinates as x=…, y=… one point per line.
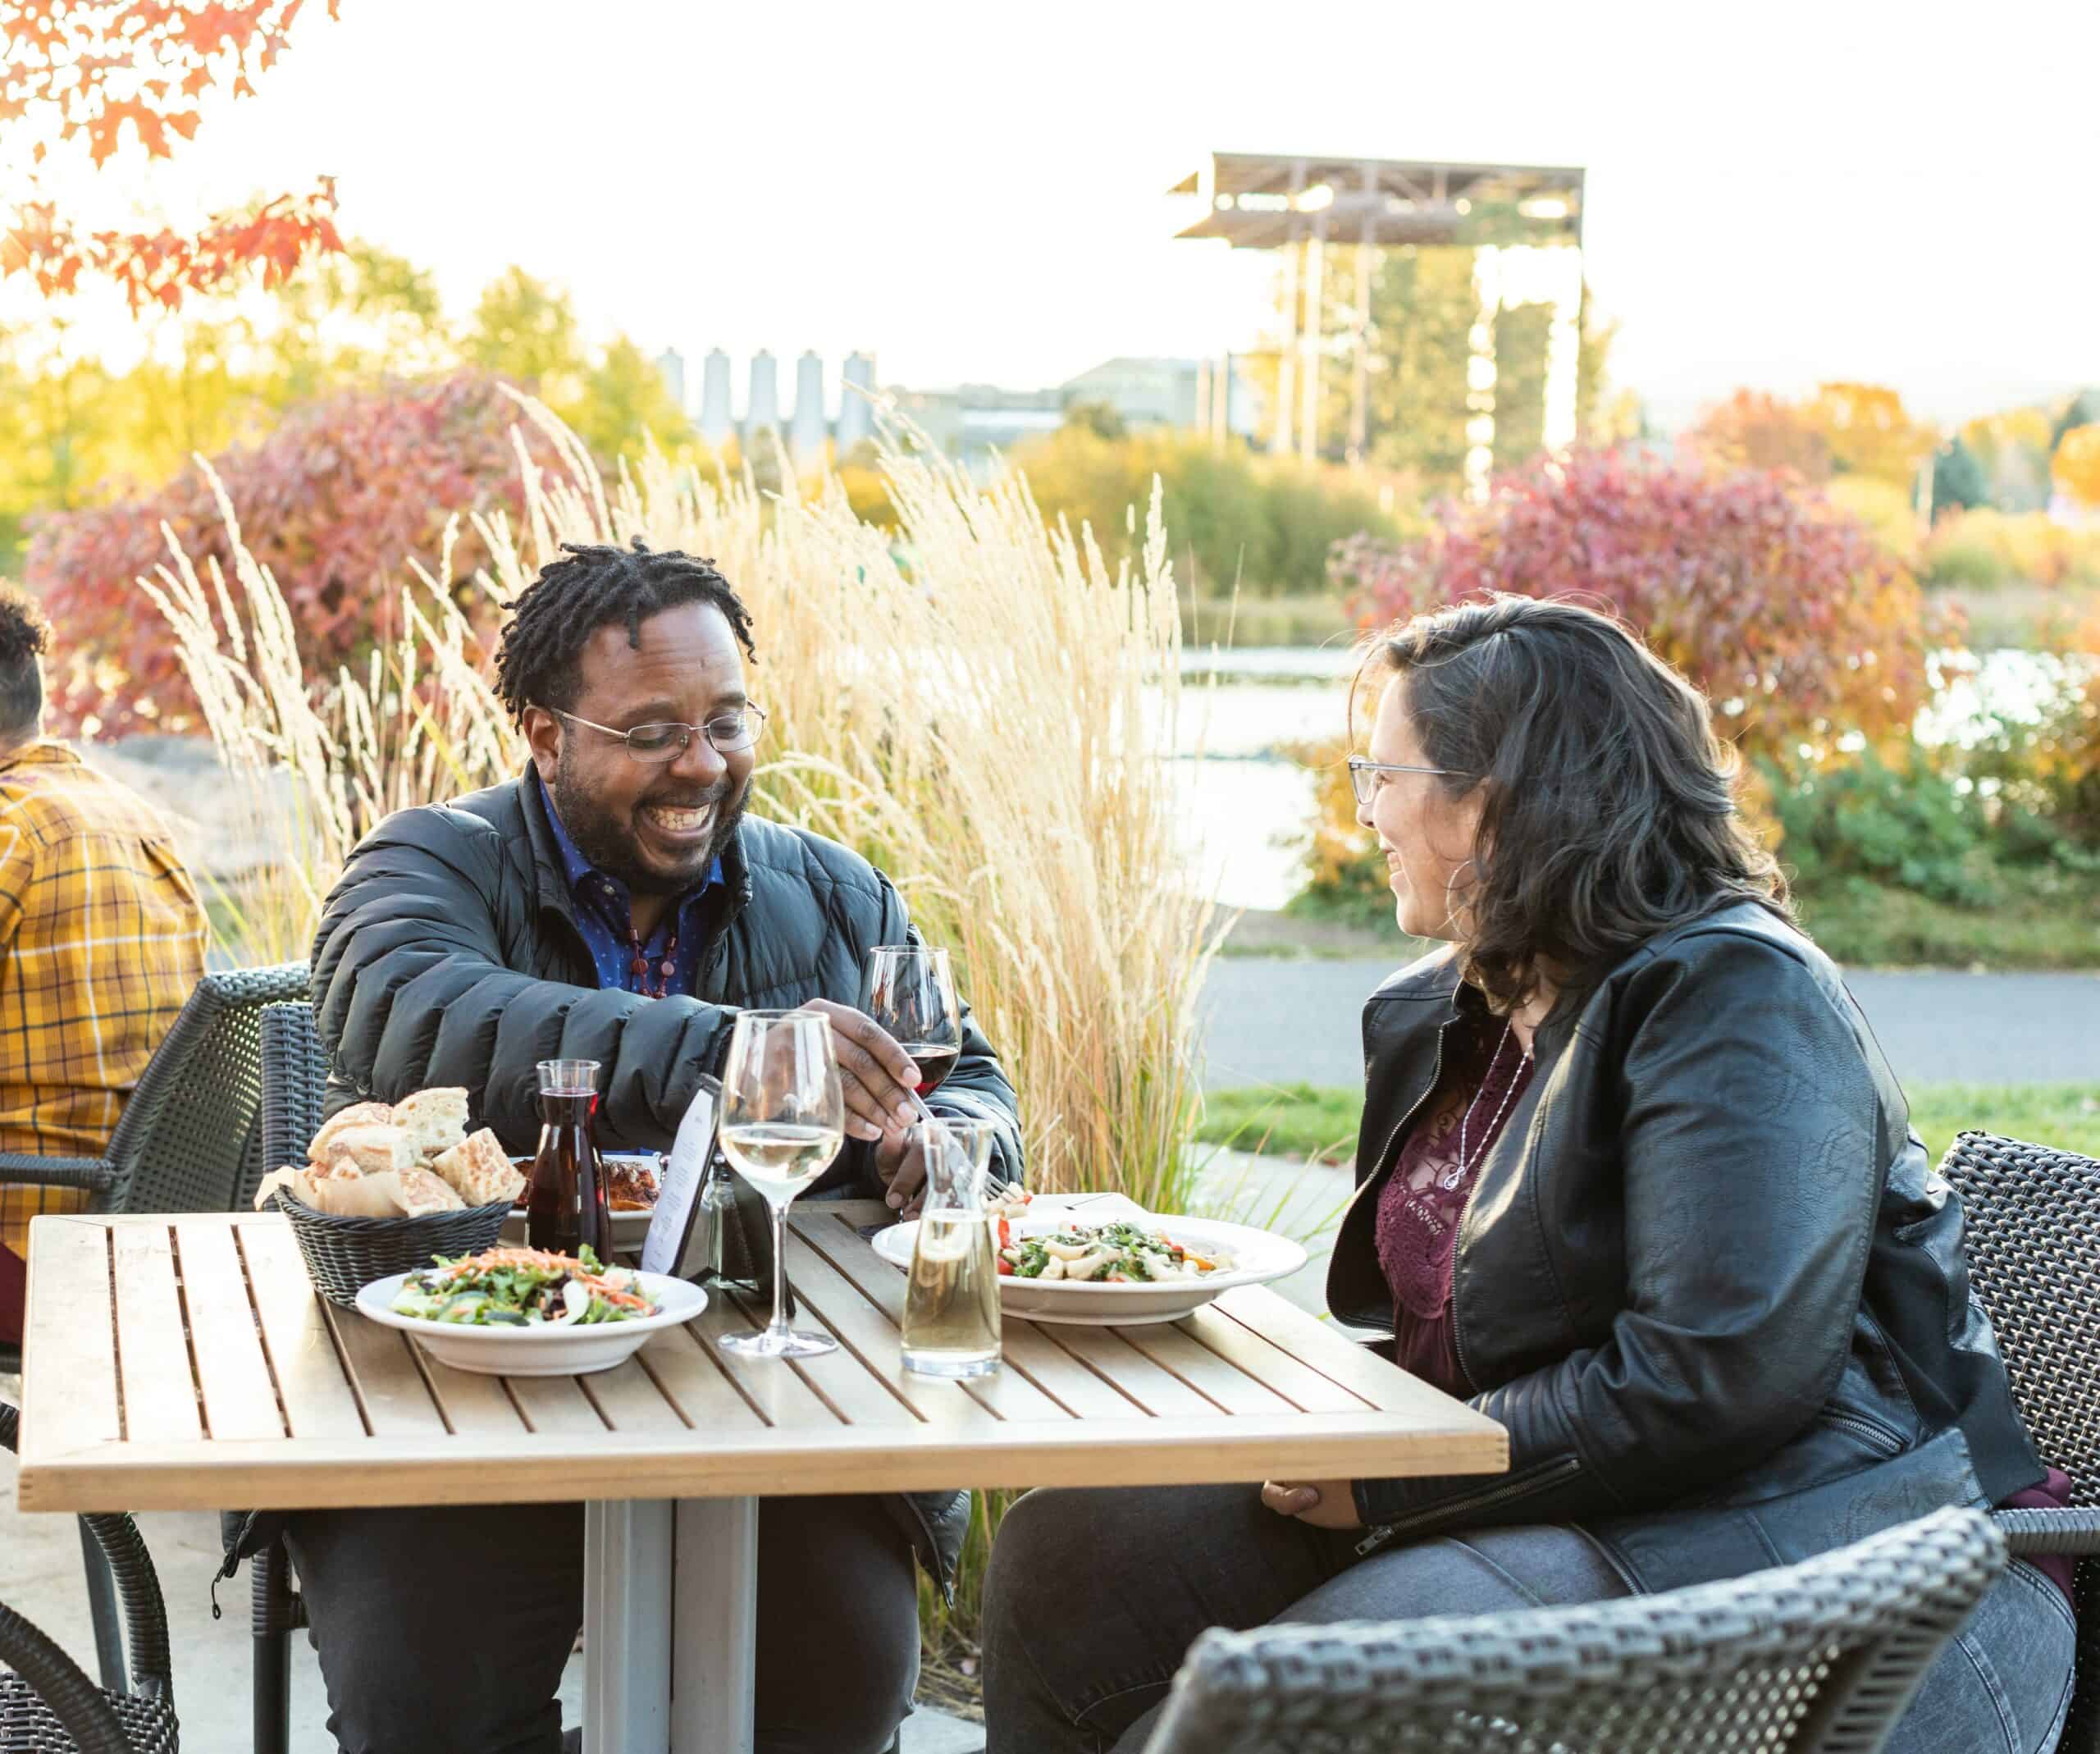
x=1246, y=807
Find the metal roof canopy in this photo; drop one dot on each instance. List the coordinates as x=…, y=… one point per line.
x=1268, y=200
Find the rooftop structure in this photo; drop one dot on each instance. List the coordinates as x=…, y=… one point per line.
x=1266, y=200
x=1524, y=222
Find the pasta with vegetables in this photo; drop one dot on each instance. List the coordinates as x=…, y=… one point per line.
x=1121, y=1253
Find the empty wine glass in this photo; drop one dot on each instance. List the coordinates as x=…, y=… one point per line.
x=911, y=994
x=783, y=1119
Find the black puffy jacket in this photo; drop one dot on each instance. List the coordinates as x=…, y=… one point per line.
x=1707, y=1278
x=449, y=954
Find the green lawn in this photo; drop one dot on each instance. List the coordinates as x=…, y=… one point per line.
x=1299, y=1120
x=2044, y=919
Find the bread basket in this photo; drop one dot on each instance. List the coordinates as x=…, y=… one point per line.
x=343, y=1254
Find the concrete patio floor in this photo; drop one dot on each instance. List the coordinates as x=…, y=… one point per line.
x=40, y=1576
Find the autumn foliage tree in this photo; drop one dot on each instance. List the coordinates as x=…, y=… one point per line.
x=337, y=502
x=1798, y=625
x=1754, y=430
x=2076, y=466
x=96, y=76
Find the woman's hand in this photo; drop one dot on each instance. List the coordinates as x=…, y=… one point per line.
x=1324, y=1504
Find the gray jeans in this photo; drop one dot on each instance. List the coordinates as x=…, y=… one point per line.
x=445, y=1631
x=1079, y=1654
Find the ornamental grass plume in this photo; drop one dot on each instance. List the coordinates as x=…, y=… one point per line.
x=975, y=700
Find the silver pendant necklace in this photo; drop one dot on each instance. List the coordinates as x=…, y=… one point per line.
x=1450, y=1179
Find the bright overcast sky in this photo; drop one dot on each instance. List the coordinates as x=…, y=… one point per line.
x=1900, y=193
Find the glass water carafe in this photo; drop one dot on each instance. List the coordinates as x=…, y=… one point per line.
x=951, y=1300
x=565, y=1208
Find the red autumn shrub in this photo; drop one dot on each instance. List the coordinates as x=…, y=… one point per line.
x=1797, y=624
x=334, y=502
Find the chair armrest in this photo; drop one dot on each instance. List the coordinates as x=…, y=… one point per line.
x=81, y=1707
x=91, y=1173
x=2071, y=1533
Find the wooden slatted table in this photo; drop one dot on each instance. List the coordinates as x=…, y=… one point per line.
x=186, y=1364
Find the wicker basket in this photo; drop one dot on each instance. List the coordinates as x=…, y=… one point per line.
x=345, y=1254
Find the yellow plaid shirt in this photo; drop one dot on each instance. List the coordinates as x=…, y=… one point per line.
x=101, y=940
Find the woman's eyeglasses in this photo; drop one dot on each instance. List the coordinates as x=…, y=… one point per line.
x=726, y=733
x=1363, y=776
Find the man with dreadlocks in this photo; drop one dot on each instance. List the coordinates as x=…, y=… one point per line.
x=613, y=903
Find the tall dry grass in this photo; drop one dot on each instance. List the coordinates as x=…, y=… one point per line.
x=976, y=702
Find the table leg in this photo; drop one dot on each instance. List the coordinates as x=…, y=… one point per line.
x=715, y=1625
x=627, y=1627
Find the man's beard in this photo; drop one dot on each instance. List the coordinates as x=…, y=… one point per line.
x=608, y=840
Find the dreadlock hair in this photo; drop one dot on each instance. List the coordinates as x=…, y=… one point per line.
x=25, y=636
x=552, y=619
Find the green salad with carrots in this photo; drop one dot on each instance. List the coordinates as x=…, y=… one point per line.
x=523, y=1288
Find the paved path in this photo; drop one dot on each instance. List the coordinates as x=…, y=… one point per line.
x=1276, y=1021
x=40, y=1575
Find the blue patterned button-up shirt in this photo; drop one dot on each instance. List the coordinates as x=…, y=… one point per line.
x=603, y=912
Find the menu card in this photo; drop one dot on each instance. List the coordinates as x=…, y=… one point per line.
x=677, y=1243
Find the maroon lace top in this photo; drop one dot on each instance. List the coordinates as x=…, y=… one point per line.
x=1424, y=1197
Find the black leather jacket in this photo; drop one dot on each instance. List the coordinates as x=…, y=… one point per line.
x=449, y=954
x=1706, y=1266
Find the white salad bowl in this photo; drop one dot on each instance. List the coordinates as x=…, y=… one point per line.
x=1257, y=1257
x=542, y=1350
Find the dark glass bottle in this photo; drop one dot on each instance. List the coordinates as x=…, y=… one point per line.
x=565, y=1208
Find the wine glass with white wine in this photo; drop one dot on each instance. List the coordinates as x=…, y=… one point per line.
x=783, y=1120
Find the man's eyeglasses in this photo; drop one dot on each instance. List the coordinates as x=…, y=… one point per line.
x=1363, y=776
x=726, y=733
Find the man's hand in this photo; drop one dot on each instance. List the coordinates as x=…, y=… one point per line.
x=876, y=1075
x=1326, y=1504
x=901, y=1164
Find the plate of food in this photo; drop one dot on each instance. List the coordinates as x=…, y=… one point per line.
x=1114, y=1271
x=511, y=1312
x=634, y=1179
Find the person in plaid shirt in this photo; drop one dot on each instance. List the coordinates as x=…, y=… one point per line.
x=102, y=938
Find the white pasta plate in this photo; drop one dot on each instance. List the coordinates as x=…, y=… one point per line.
x=1257, y=1257
x=544, y=1349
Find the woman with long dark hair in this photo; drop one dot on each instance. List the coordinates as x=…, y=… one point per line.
x=1635, y=1179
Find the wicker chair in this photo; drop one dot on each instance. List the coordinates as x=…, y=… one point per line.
x=47, y=1705
x=1820, y=1658
x=2034, y=1225
x=187, y=1142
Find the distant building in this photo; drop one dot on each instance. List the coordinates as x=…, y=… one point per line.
x=717, y=425
x=972, y=422
x=672, y=363
x=806, y=434
x=857, y=412
x=1145, y=392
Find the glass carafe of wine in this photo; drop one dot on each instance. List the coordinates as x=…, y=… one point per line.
x=951, y=1302
x=565, y=1207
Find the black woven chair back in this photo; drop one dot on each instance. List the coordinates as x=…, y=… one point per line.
x=2034, y=1230
x=295, y=1081
x=188, y=1141
x=1820, y=1658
